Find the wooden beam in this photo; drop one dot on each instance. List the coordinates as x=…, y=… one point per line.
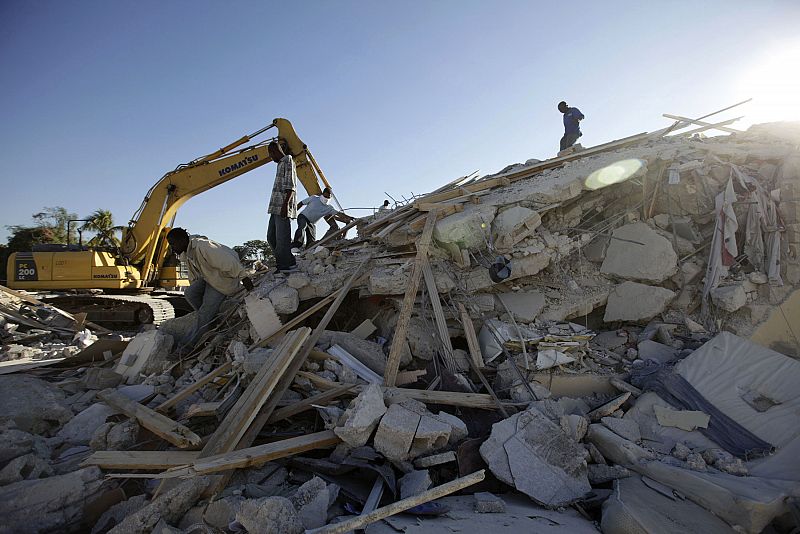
x=340, y=232
x=363, y=520
x=158, y=424
x=444, y=206
x=286, y=380
x=306, y=404
x=191, y=388
x=399, y=339
x=140, y=459
x=472, y=339
x=255, y=456
x=438, y=314
x=203, y=409
x=239, y=418
x=31, y=300
x=700, y=123
x=710, y=127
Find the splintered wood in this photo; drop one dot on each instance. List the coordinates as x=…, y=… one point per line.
x=158, y=424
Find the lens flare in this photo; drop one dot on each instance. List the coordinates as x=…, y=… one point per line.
x=613, y=174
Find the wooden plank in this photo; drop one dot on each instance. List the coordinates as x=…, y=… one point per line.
x=203, y=409
x=438, y=314
x=444, y=206
x=307, y=404
x=140, y=459
x=381, y=221
x=31, y=300
x=710, y=127
x=155, y=422
x=399, y=339
x=190, y=389
x=233, y=427
x=287, y=378
x=297, y=320
x=255, y=456
x=409, y=377
x=472, y=338
x=700, y=123
x=340, y=232
x=363, y=520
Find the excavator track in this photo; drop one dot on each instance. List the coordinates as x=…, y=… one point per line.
x=116, y=310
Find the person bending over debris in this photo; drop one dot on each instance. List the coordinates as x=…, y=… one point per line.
x=385, y=207
x=214, y=273
x=572, y=129
x=281, y=208
x=317, y=207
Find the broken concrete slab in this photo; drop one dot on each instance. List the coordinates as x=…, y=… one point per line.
x=53, y=504
x=488, y=503
x=575, y=426
x=414, y=483
x=525, y=306
x=729, y=298
x=221, y=512
x=396, y=432
x=169, y=506
x=362, y=416
x=269, y=515
x=514, y=224
x=531, y=453
x=367, y=352
x=147, y=353
x=434, y=460
x=285, y=299
x=653, y=350
x=33, y=405
x=312, y=500
x=634, y=507
x=627, y=428
x=545, y=359
x=458, y=429
x=639, y=253
x=601, y=474
x=634, y=302
x=684, y=419
x=262, y=315
x=616, y=448
x=432, y=435
x=26, y=467
x=364, y=330
x=468, y=228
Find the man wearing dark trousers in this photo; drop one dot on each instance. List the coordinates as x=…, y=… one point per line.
x=572, y=129
x=316, y=207
x=282, y=208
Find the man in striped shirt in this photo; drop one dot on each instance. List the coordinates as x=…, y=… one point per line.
x=282, y=208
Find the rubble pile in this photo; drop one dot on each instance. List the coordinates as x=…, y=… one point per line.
x=602, y=339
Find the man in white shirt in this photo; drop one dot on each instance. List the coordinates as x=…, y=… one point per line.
x=316, y=207
x=214, y=274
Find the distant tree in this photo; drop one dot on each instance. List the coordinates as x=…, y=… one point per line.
x=3, y=263
x=254, y=250
x=101, y=222
x=50, y=226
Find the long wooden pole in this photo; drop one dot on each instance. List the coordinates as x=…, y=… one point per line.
x=401, y=506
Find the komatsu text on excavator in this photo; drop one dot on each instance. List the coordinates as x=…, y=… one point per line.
x=142, y=263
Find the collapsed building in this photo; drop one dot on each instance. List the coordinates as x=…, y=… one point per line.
x=607, y=338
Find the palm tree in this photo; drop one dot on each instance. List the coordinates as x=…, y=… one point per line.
x=101, y=222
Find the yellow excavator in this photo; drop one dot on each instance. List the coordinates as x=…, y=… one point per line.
x=128, y=275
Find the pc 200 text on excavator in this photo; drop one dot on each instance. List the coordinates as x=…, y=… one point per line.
x=141, y=263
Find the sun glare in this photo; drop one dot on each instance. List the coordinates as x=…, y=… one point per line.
x=774, y=83
x=615, y=173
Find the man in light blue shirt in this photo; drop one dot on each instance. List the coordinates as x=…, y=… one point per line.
x=316, y=207
x=572, y=129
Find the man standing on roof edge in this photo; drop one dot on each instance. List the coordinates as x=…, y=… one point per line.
x=282, y=208
x=572, y=129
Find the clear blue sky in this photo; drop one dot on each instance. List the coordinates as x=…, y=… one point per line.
x=100, y=98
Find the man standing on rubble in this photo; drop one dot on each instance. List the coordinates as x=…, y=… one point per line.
x=282, y=208
x=572, y=129
x=316, y=207
x=214, y=273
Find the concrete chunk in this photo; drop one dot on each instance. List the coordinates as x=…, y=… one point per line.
x=269, y=515
x=631, y=301
x=396, y=432
x=362, y=417
x=432, y=435
x=33, y=405
x=729, y=298
x=488, y=503
x=637, y=252
x=262, y=315
x=627, y=428
x=600, y=474
x=468, y=228
x=513, y=225
x=684, y=419
x=531, y=453
x=285, y=299
x=414, y=483
x=436, y=459
x=525, y=306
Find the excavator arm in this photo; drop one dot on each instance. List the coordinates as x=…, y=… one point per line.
x=143, y=241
